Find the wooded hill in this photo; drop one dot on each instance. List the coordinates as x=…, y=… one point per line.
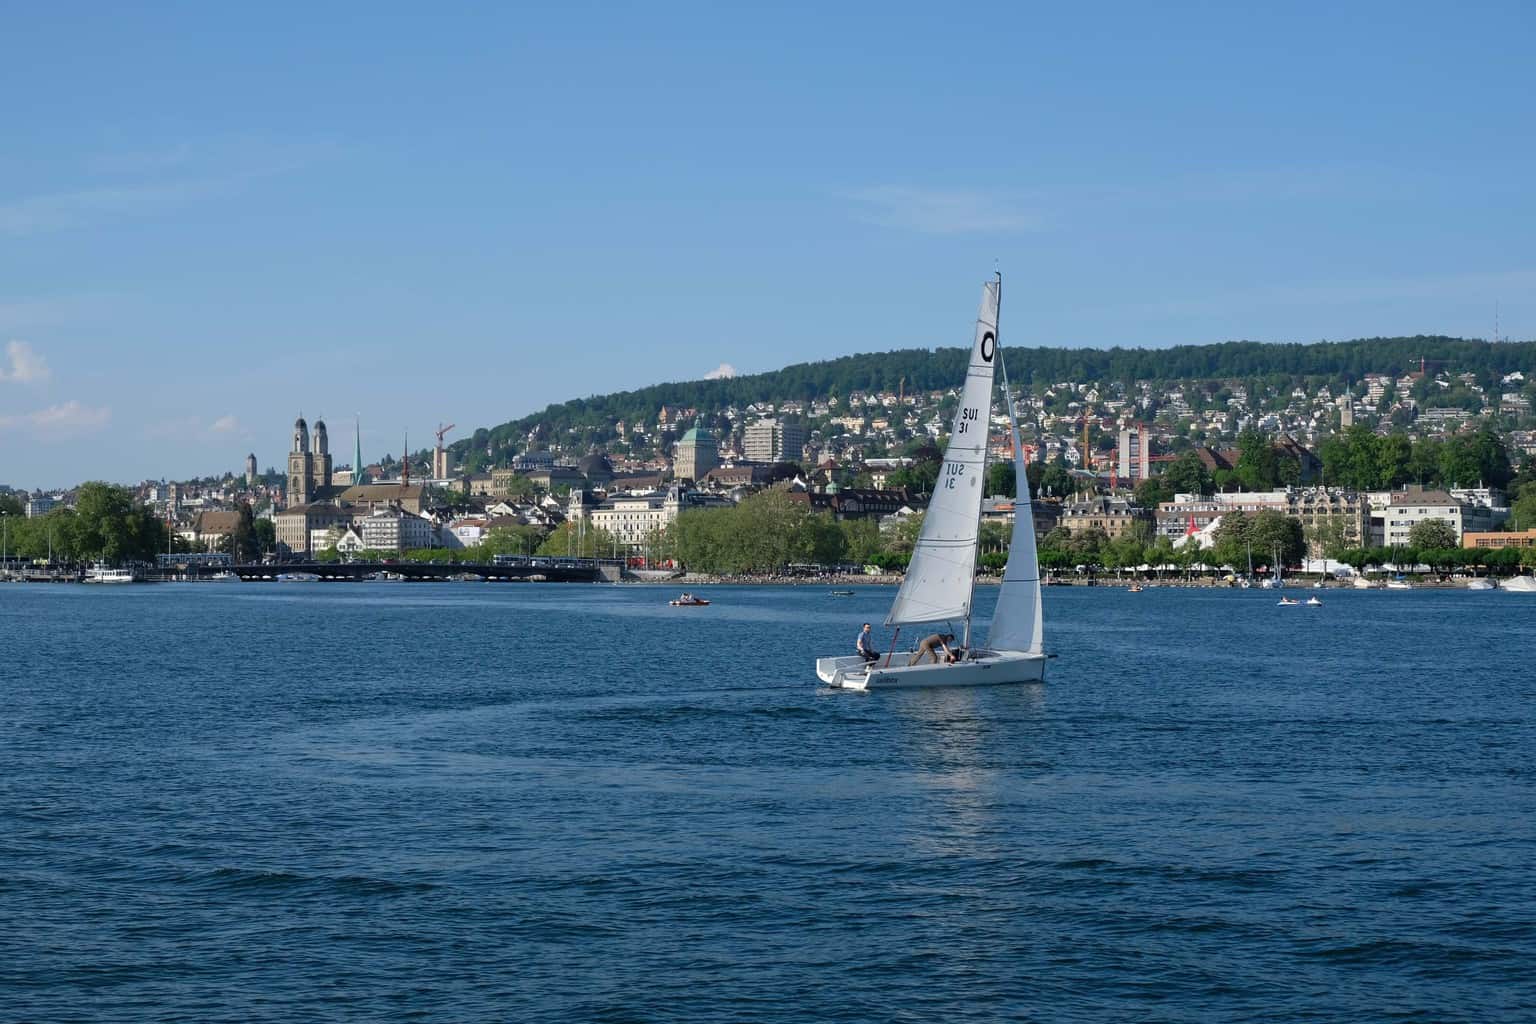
x=1339, y=363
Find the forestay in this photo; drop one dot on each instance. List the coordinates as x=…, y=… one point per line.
x=941, y=576
x=1016, y=623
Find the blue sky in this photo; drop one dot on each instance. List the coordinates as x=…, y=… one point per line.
x=215, y=216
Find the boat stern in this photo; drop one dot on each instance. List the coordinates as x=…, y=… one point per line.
x=846, y=672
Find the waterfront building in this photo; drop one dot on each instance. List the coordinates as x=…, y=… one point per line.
x=1174, y=519
x=392, y=529
x=1326, y=514
x=296, y=525
x=1330, y=515
x=1502, y=539
x=212, y=530
x=634, y=518
x=1393, y=520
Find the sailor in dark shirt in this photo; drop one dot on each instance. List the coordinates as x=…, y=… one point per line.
x=866, y=646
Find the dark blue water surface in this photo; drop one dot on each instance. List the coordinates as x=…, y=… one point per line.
x=478, y=802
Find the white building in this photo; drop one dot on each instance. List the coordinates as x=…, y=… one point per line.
x=632, y=518
x=389, y=529
x=773, y=440
x=1394, y=514
x=40, y=506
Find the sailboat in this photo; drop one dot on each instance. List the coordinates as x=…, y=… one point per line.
x=940, y=584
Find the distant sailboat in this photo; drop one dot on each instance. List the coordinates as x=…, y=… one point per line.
x=940, y=582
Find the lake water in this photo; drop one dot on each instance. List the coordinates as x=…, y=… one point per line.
x=477, y=802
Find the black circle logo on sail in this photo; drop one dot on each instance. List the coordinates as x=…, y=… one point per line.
x=988, y=346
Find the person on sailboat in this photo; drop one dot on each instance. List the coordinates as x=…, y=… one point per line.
x=866, y=645
x=930, y=647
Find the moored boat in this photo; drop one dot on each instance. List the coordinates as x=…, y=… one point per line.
x=103, y=573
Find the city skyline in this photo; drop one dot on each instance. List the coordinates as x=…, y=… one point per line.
x=408, y=217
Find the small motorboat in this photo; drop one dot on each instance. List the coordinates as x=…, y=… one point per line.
x=1134, y=588
x=840, y=593
x=1314, y=602
x=688, y=601
x=1290, y=600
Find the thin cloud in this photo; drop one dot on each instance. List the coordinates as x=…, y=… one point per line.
x=194, y=429
x=68, y=419
x=942, y=211
x=62, y=210
x=721, y=372
x=23, y=365
x=214, y=169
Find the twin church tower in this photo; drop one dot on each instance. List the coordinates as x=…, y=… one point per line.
x=308, y=471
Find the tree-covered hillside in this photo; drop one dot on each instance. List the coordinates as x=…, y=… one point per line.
x=925, y=370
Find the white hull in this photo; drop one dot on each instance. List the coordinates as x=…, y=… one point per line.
x=101, y=574
x=1521, y=585
x=989, y=668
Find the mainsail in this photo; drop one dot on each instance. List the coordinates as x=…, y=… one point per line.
x=1016, y=622
x=941, y=576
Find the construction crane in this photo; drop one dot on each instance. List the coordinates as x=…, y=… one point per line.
x=440, y=457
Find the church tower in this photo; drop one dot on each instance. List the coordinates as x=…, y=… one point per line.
x=320, y=464
x=300, y=465
x=250, y=470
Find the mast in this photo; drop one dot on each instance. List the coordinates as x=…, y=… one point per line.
x=981, y=491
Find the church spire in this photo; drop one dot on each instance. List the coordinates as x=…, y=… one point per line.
x=357, y=452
